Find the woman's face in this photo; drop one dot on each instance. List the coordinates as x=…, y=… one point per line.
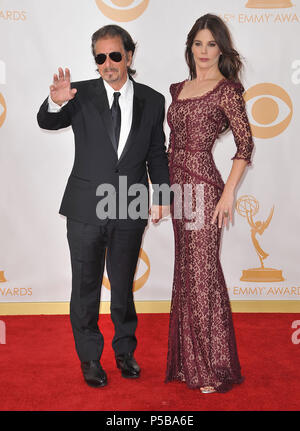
x=205, y=50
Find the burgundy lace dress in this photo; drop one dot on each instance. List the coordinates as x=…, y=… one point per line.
x=202, y=348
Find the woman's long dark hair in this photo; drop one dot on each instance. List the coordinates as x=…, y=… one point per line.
x=230, y=64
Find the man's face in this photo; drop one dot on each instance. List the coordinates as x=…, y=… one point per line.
x=114, y=73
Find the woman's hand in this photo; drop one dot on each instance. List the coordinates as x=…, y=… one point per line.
x=224, y=209
x=158, y=212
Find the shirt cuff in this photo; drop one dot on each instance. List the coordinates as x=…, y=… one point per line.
x=54, y=107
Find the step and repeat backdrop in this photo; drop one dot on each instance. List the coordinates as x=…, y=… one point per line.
x=260, y=252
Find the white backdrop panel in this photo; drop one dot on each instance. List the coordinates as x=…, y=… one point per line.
x=37, y=37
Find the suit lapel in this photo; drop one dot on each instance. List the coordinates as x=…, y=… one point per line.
x=137, y=111
x=99, y=99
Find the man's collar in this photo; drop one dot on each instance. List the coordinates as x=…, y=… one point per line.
x=124, y=90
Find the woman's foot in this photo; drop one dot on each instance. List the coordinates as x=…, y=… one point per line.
x=207, y=390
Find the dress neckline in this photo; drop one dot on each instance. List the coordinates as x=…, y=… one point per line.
x=207, y=93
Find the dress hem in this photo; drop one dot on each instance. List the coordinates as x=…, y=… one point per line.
x=222, y=388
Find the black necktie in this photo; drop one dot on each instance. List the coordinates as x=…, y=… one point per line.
x=116, y=116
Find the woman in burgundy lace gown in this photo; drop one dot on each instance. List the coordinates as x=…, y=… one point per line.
x=202, y=348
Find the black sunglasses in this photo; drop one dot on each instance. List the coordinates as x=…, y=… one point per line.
x=114, y=56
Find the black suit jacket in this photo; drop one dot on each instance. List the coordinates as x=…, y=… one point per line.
x=96, y=160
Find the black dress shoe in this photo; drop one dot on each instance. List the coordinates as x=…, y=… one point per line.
x=128, y=366
x=93, y=374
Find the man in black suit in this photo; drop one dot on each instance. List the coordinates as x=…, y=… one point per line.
x=118, y=130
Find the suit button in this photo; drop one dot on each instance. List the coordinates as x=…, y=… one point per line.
x=117, y=171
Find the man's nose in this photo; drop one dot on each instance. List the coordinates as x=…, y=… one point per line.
x=107, y=61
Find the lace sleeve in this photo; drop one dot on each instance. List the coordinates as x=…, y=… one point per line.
x=174, y=92
x=170, y=147
x=233, y=106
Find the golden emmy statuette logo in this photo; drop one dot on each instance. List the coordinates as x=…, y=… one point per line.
x=122, y=10
x=2, y=109
x=265, y=109
x=269, y=4
x=2, y=277
x=247, y=206
x=141, y=281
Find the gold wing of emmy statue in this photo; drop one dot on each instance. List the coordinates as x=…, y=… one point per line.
x=266, y=223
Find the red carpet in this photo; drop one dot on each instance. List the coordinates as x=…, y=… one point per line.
x=40, y=370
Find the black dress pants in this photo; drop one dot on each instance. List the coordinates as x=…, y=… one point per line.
x=89, y=247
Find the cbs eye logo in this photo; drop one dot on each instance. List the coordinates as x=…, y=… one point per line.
x=139, y=282
x=2, y=109
x=271, y=109
x=2, y=100
x=122, y=10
